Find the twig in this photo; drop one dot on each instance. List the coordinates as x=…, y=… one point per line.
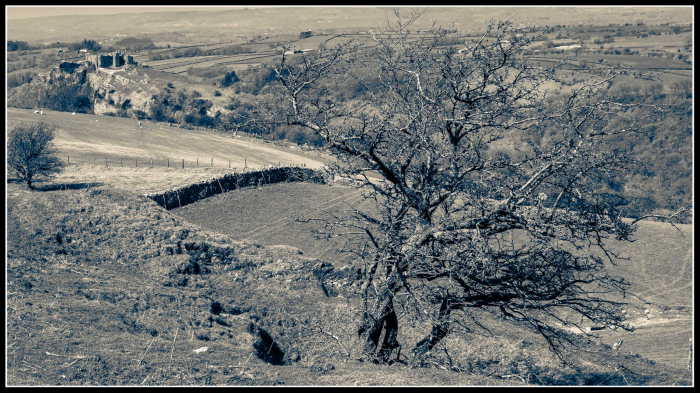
x=679, y=378
x=511, y=376
x=173, y=350
x=33, y=367
x=149, y=347
x=57, y=291
x=244, y=366
x=73, y=362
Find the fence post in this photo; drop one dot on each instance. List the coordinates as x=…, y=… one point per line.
x=229, y=163
x=151, y=161
x=168, y=163
x=106, y=165
x=122, y=161
x=212, y=162
x=183, y=163
x=197, y=162
x=245, y=162
x=68, y=160
x=137, y=162
x=93, y=161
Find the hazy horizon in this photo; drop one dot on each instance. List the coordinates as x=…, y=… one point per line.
x=28, y=12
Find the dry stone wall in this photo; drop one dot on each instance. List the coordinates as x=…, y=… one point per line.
x=181, y=196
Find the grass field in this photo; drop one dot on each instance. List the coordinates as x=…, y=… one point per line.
x=93, y=308
x=121, y=141
x=268, y=215
x=249, y=59
x=95, y=296
x=103, y=287
x=165, y=63
x=659, y=265
x=86, y=136
x=106, y=288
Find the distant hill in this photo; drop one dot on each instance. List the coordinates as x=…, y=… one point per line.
x=277, y=20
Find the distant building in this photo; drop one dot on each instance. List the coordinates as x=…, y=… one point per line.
x=112, y=60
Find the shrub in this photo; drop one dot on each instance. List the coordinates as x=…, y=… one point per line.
x=229, y=79
x=30, y=151
x=19, y=78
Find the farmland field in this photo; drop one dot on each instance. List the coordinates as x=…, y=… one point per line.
x=268, y=215
x=129, y=149
x=85, y=136
x=241, y=59
x=159, y=64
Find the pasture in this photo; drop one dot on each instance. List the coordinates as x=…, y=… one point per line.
x=122, y=151
x=104, y=287
x=659, y=265
x=84, y=136
x=268, y=215
x=248, y=59
x=91, y=301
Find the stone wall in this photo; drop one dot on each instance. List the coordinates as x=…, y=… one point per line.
x=185, y=195
x=118, y=60
x=105, y=61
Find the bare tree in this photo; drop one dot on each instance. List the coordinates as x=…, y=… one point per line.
x=488, y=196
x=683, y=88
x=30, y=151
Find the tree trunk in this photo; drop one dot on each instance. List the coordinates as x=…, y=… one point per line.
x=372, y=330
x=29, y=184
x=438, y=332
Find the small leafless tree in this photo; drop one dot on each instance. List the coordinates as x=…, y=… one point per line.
x=487, y=189
x=30, y=151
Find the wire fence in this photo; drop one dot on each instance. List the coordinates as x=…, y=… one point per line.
x=175, y=163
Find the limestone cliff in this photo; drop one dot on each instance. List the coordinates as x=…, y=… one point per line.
x=128, y=91
x=123, y=91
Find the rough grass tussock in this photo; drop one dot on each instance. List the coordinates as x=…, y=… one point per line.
x=96, y=296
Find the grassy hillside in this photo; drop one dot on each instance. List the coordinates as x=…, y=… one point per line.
x=105, y=288
x=659, y=264
x=268, y=215
x=84, y=137
x=100, y=292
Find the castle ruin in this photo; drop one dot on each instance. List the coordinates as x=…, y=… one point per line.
x=112, y=60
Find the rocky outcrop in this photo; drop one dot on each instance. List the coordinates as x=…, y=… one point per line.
x=124, y=91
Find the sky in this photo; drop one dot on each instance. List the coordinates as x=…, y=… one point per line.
x=16, y=12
